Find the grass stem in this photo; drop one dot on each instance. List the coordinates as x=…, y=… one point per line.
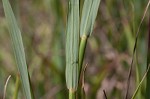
x=15, y=96
x=72, y=94
x=83, y=43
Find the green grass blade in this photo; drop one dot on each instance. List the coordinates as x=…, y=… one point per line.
x=72, y=45
x=134, y=50
x=18, y=48
x=138, y=87
x=89, y=13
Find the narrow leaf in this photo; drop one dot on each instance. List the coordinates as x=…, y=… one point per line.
x=72, y=45
x=138, y=87
x=18, y=48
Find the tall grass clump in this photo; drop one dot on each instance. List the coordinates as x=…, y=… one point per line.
x=18, y=48
x=76, y=41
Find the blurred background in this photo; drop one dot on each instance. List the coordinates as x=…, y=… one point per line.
x=108, y=53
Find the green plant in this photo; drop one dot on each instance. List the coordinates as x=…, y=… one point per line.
x=18, y=48
x=137, y=68
x=75, y=50
x=72, y=46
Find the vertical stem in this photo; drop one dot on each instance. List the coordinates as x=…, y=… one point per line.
x=15, y=96
x=82, y=48
x=82, y=51
x=72, y=94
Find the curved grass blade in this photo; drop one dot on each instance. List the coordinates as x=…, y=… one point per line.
x=134, y=49
x=138, y=87
x=5, y=87
x=72, y=46
x=18, y=48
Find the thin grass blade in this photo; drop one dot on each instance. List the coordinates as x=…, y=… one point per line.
x=134, y=50
x=5, y=87
x=138, y=87
x=18, y=48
